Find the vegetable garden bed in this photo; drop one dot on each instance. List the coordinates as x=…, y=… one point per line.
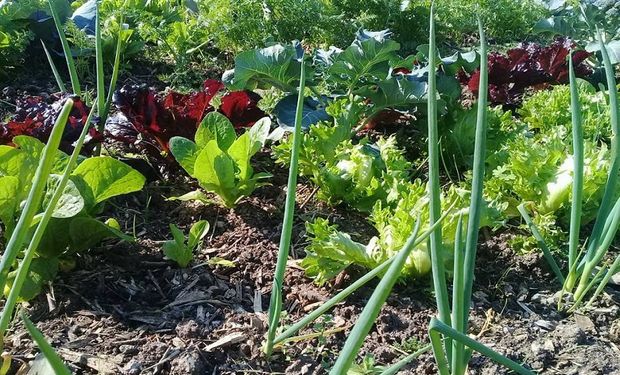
x=126, y=309
x=182, y=194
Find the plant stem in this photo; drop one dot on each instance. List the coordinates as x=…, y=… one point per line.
x=33, y=202
x=24, y=266
x=275, y=303
x=437, y=261
x=577, y=198
x=75, y=82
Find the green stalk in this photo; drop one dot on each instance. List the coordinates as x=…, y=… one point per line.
x=607, y=239
x=437, y=261
x=35, y=195
x=615, y=267
x=395, y=368
x=475, y=210
x=75, y=81
x=24, y=266
x=438, y=328
x=113, y=80
x=99, y=63
x=353, y=287
x=541, y=243
x=57, y=364
x=373, y=307
x=59, y=81
x=590, y=285
x=275, y=303
x=577, y=198
x=457, y=288
x=614, y=168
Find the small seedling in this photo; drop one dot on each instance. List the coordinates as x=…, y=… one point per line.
x=180, y=250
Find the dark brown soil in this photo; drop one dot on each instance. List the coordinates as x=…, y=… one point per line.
x=125, y=309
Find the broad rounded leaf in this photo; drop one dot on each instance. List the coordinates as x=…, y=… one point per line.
x=9, y=186
x=86, y=232
x=312, y=112
x=102, y=177
x=70, y=203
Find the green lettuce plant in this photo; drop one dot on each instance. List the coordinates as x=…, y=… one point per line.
x=220, y=160
x=587, y=266
x=180, y=249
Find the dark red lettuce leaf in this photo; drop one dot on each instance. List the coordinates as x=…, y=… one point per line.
x=241, y=108
x=35, y=116
x=147, y=121
x=529, y=66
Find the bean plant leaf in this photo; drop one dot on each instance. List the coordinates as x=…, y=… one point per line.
x=275, y=66
x=103, y=177
x=86, y=232
x=71, y=202
x=41, y=272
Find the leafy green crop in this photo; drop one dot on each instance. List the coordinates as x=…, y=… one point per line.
x=220, y=160
x=181, y=250
x=73, y=226
x=357, y=174
x=331, y=251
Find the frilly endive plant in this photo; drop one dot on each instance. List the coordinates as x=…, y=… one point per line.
x=587, y=267
x=451, y=345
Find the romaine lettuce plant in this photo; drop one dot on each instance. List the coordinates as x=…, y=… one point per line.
x=146, y=121
x=181, y=250
x=220, y=160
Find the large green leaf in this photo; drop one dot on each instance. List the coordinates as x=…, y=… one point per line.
x=103, y=177
x=86, y=232
x=56, y=239
x=9, y=187
x=215, y=126
x=275, y=66
x=259, y=133
x=185, y=153
x=42, y=271
x=240, y=152
x=366, y=60
x=71, y=202
x=215, y=172
x=396, y=92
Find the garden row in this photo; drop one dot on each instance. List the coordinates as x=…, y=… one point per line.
x=542, y=152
